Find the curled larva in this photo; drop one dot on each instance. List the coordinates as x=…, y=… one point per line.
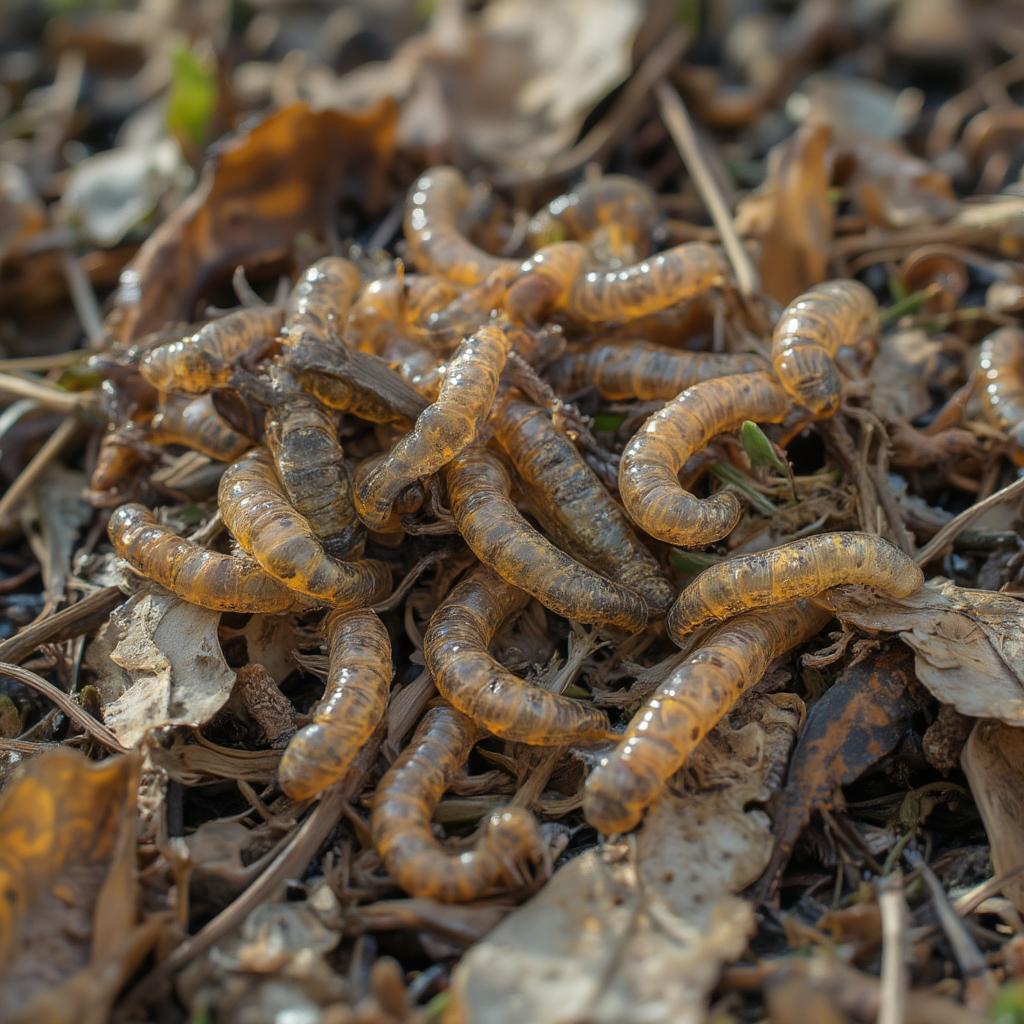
x=195, y=423
x=651, y=461
x=359, y=673
x=121, y=453
x=219, y=582
x=622, y=370
x=478, y=489
x=303, y=439
x=319, y=304
x=1001, y=367
x=206, y=359
x=442, y=430
x=572, y=503
x=686, y=706
x=255, y=509
x=811, y=330
x=405, y=801
x=455, y=651
x=801, y=568
x=556, y=280
x=435, y=242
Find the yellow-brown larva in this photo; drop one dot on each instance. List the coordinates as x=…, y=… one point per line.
x=686, y=706
x=651, y=461
x=195, y=423
x=496, y=532
x=801, y=568
x=1001, y=368
x=221, y=583
x=455, y=649
x=319, y=304
x=359, y=673
x=811, y=330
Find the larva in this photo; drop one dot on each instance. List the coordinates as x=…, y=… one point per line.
x=195, y=423
x=442, y=430
x=455, y=651
x=319, y=304
x=303, y=439
x=811, y=330
x=556, y=280
x=256, y=511
x=435, y=242
x=651, y=461
x=120, y=454
x=219, y=582
x=206, y=359
x=686, y=706
x=405, y=802
x=572, y=503
x=801, y=568
x=636, y=369
x=478, y=489
x=1000, y=364
x=359, y=673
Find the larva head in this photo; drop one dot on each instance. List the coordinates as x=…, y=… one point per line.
x=300, y=772
x=615, y=796
x=810, y=375
x=513, y=834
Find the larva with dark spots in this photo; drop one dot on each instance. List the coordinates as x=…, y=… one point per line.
x=1001, y=368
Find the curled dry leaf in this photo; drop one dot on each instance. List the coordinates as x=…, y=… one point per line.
x=261, y=188
x=158, y=662
x=69, y=918
x=969, y=644
x=900, y=373
x=993, y=761
x=639, y=934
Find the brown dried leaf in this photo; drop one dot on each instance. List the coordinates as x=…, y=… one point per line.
x=158, y=662
x=639, y=934
x=900, y=373
x=261, y=188
x=969, y=643
x=993, y=761
x=69, y=922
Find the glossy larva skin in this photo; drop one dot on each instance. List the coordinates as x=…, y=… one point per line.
x=801, y=568
x=195, y=423
x=455, y=649
x=359, y=674
x=623, y=370
x=811, y=330
x=219, y=582
x=205, y=360
x=433, y=238
x=478, y=489
x=405, y=801
x=442, y=430
x=257, y=512
x=573, y=505
x=319, y=304
x=1001, y=368
x=686, y=706
x=651, y=461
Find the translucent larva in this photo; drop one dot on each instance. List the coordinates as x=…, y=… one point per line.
x=1001, y=367
x=195, y=423
x=319, y=304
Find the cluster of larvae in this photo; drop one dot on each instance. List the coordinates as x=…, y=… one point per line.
x=463, y=367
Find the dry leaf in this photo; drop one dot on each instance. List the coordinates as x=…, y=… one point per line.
x=969, y=643
x=69, y=931
x=906, y=362
x=158, y=662
x=62, y=514
x=993, y=762
x=639, y=933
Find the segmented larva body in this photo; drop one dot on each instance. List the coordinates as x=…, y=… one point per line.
x=442, y=430
x=811, y=330
x=651, y=461
x=221, y=583
x=455, y=651
x=623, y=370
x=1001, y=366
x=801, y=568
x=686, y=707
x=496, y=532
x=319, y=304
x=556, y=280
x=119, y=456
x=465, y=312
x=206, y=359
x=255, y=509
x=303, y=439
x=195, y=423
x=572, y=503
x=405, y=801
x=359, y=674
x=435, y=242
